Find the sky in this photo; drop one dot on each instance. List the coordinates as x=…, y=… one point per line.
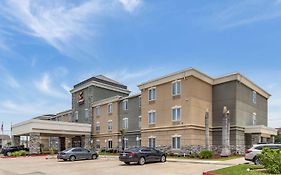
x=48, y=46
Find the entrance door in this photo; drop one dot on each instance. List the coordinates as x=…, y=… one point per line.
x=76, y=141
x=62, y=143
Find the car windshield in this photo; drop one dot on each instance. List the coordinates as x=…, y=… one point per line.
x=67, y=150
x=133, y=149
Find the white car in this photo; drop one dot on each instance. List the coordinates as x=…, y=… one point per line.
x=251, y=154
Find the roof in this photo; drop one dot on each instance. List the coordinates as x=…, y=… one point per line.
x=102, y=79
x=204, y=77
x=44, y=117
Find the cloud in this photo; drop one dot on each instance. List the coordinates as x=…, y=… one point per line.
x=247, y=12
x=66, y=87
x=70, y=27
x=45, y=86
x=130, y=5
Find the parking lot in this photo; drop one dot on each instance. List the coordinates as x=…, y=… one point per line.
x=103, y=165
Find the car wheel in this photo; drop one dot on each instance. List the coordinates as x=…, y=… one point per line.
x=163, y=159
x=9, y=153
x=64, y=159
x=257, y=161
x=127, y=163
x=142, y=161
x=72, y=158
x=94, y=156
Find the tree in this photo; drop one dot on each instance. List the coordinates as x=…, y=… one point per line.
x=278, y=138
x=9, y=143
x=123, y=133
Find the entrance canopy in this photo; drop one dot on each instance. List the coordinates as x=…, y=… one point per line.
x=261, y=129
x=50, y=127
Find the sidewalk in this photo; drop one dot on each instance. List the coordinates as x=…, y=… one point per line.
x=215, y=162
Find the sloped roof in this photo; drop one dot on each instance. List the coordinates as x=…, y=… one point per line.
x=102, y=79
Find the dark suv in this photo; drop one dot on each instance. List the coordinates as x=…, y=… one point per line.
x=142, y=155
x=7, y=151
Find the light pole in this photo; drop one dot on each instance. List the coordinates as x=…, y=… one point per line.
x=225, y=133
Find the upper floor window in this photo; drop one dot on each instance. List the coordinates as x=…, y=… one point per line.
x=151, y=117
x=176, y=87
x=98, y=126
x=254, y=97
x=76, y=116
x=176, y=113
x=151, y=94
x=109, y=125
x=86, y=114
x=125, y=123
x=97, y=110
x=109, y=108
x=125, y=104
x=139, y=101
x=139, y=121
x=254, y=119
x=176, y=142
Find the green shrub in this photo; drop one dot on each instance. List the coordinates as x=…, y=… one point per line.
x=19, y=153
x=205, y=154
x=271, y=159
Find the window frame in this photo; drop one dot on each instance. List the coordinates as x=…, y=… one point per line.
x=109, y=108
x=177, y=118
x=254, y=97
x=109, y=125
x=125, y=105
x=97, y=111
x=97, y=126
x=153, y=143
x=151, y=90
x=177, y=142
x=177, y=85
x=149, y=117
x=125, y=123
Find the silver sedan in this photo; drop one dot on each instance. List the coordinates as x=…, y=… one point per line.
x=77, y=154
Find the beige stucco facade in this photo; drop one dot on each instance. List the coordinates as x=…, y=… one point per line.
x=102, y=136
x=195, y=99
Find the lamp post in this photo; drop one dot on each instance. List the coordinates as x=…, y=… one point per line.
x=225, y=133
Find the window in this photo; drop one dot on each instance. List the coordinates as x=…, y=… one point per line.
x=254, y=119
x=109, y=143
x=176, y=87
x=98, y=111
x=125, y=123
x=139, y=101
x=125, y=104
x=109, y=108
x=151, y=94
x=254, y=97
x=176, y=113
x=76, y=116
x=176, y=142
x=125, y=143
x=98, y=126
x=109, y=125
x=139, y=121
x=97, y=143
x=86, y=114
x=151, y=117
x=138, y=141
x=151, y=142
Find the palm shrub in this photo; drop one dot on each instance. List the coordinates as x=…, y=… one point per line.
x=205, y=154
x=271, y=159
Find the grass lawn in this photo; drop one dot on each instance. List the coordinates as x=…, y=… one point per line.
x=214, y=158
x=242, y=170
